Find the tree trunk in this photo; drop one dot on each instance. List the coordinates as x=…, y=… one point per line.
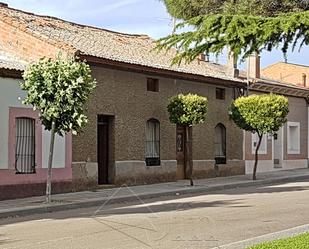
x=189, y=155
x=50, y=163
x=257, y=155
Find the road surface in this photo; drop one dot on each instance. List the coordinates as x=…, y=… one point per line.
x=198, y=221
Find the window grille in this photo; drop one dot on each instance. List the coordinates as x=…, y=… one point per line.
x=25, y=146
x=153, y=142
x=220, y=144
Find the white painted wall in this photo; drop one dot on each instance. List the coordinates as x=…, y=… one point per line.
x=10, y=93
x=59, y=150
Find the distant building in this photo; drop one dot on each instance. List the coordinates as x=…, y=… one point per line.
x=288, y=72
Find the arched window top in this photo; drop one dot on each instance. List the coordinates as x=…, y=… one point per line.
x=220, y=125
x=153, y=120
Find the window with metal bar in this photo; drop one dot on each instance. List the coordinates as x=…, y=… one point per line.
x=220, y=144
x=25, y=146
x=153, y=143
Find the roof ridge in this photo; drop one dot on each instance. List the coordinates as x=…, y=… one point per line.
x=289, y=63
x=74, y=23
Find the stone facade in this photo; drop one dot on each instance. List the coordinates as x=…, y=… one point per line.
x=123, y=96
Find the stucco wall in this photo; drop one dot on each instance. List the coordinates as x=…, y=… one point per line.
x=11, y=96
x=298, y=112
x=124, y=95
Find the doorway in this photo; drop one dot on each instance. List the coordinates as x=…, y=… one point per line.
x=103, y=149
x=278, y=148
x=180, y=152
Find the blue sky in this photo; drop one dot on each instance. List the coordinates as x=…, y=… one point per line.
x=129, y=16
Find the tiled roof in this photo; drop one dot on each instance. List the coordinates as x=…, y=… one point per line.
x=10, y=62
x=271, y=82
x=134, y=49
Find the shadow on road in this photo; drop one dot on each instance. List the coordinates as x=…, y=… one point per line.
x=4, y=240
x=163, y=204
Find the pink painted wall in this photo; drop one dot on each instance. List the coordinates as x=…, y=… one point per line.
x=9, y=177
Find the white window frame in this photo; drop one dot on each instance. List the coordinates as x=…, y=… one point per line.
x=293, y=124
x=254, y=138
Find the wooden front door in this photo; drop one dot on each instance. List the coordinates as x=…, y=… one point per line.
x=102, y=149
x=180, y=153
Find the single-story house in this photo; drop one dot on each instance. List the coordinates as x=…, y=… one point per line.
x=129, y=138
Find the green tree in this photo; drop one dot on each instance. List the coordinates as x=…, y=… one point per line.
x=188, y=110
x=244, y=26
x=58, y=89
x=186, y=9
x=260, y=114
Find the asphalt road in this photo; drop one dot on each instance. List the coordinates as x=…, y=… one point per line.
x=200, y=221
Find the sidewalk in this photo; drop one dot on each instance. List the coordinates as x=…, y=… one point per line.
x=35, y=205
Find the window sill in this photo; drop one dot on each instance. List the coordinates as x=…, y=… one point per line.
x=293, y=152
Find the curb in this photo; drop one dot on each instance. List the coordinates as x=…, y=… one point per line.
x=21, y=212
x=266, y=238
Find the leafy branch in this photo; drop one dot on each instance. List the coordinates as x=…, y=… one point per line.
x=243, y=35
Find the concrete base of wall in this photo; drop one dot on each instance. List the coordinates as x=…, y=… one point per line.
x=207, y=168
x=85, y=176
x=136, y=172
x=32, y=189
x=295, y=164
x=268, y=165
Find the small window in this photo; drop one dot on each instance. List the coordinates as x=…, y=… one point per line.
x=25, y=146
x=153, y=143
x=152, y=85
x=293, y=138
x=220, y=93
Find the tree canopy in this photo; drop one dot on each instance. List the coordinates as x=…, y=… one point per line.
x=187, y=109
x=59, y=89
x=186, y=9
x=243, y=34
x=260, y=113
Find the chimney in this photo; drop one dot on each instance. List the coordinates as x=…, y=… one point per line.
x=232, y=65
x=4, y=5
x=201, y=57
x=254, y=66
x=304, y=80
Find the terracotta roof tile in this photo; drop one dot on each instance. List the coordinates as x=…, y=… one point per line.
x=10, y=62
x=134, y=49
